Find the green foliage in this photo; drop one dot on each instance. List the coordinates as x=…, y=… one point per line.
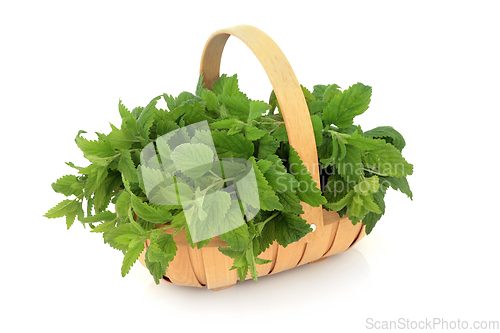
x=158, y=187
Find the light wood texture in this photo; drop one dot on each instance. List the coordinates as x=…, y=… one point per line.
x=289, y=257
x=217, y=267
x=208, y=267
x=288, y=92
x=346, y=234
x=180, y=270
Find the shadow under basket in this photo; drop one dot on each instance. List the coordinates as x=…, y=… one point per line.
x=208, y=267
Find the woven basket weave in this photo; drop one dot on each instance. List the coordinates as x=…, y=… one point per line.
x=207, y=267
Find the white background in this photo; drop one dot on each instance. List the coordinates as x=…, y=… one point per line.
x=434, y=68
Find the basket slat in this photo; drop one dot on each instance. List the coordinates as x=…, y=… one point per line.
x=180, y=270
x=289, y=257
x=217, y=267
x=207, y=267
x=196, y=258
x=344, y=237
x=361, y=234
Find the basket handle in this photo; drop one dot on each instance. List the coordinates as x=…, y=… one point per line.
x=288, y=92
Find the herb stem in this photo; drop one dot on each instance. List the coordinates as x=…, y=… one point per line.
x=213, y=173
x=375, y=172
x=270, y=218
x=217, y=183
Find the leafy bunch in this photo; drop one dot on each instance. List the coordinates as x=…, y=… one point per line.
x=356, y=169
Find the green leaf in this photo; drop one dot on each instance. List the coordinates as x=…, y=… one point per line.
x=316, y=107
x=307, y=95
x=280, y=181
x=96, y=175
x=146, y=119
x=389, y=134
x=367, y=185
x=98, y=152
x=236, y=128
x=184, y=97
x=343, y=107
x=230, y=252
x=231, y=86
x=159, y=254
x=330, y=92
x=280, y=134
x=372, y=218
x=105, y=189
x=273, y=101
x=238, y=106
x=131, y=257
x=325, y=150
x=74, y=166
x=308, y=190
x=106, y=226
x=253, y=133
x=369, y=204
x=170, y=100
x=388, y=161
x=350, y=167
x=317, y=124
x=211, y=99
x=155, y=254
x=216, y=205
x=290, y=228
x=336, y=188
x=225, y=123
x=336, y=206
x=400, y=184
x=267, y=197
x=121, y=138
x=193, y=160
x=319, y=91
x=70, y=218
x=257, y=108
x=249, y=256
x=165, y=126
x=364, y=143
x=194, y=112
x=136, y=112
x=167, y=244
x=218, y=86
x=149, y=213
x=239, y=237
x=105, y=216
x=68, y=185
x=123, y=204
x=124, y=112
x=290, y=202
x=264, y=165
x=65, y=207
x=199, y=86
x=404, y=187
x=267, y=146
x=342, y=150
x=236, y=146
x=127, y=167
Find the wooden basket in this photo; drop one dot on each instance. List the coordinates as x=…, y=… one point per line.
x=207, y=267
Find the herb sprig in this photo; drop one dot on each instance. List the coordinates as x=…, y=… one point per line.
x=357, y=168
